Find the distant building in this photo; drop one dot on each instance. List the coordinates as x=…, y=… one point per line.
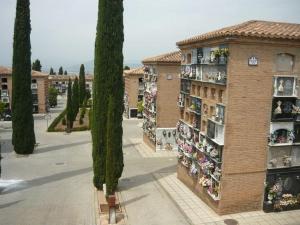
x=134, y=91
x=39, y=88
x=60, y=82
x=162, y=86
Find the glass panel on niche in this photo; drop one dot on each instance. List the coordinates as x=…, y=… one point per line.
x=288, y=182
x=295, y=156
x=285, y=86
x=280, y=157
x=296, y=110
x=200, y=55
x=194, y=56
x=297, y=133
x=284, y=62
x=215, y=74
x=220, y=113
x=282, y=109
x=196, y=105
x=211, y=127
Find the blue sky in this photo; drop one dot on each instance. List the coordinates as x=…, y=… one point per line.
x=63, y=31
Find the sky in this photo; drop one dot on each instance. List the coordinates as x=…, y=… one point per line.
x=63, y=31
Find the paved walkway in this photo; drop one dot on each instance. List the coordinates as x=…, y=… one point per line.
x=198, y=213
x=146, y=152
x=144, y=200
x=53, y=186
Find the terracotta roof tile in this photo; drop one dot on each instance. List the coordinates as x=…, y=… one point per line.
x=173, y=57
x=88, y=77
x=252, y=28
x=8, y=71
x=135, y=71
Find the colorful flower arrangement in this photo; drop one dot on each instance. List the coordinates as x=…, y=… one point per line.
x=204, y=181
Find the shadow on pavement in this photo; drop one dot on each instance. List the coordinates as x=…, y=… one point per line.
x=130, y=145
x=138, y=180
x=48, y=179
x=134, y=200
x=59, y=147
x=6, y=146
x=9, y=204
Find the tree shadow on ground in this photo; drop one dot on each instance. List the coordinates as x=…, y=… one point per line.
x=45, y=180
x=130, y=145
x=134, y=199
x=9, y=204
x=59, y=147
x=138, y=180
x=6, y=146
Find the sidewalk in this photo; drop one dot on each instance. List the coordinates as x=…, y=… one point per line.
x=146, y=152
x=198, y=213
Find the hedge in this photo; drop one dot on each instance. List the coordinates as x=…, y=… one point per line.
x=56, y=121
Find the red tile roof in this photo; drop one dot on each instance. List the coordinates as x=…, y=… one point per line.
x=8, y=71
x=173, y=57
x=252, y=28
x=135, y=71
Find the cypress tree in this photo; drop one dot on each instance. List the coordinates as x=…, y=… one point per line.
x=23, y=137
x=111, y=176
x=66, y=72
x=69, y=107
x=82, y=92
x=36, y=65
x=108, y=80
x=60, y=71
x=51, y=71
x=75, y=98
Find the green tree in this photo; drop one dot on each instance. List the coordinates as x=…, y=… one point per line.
x=66, y=72
x=60, y=71
x=82, y=92
x=69, y=107
x=51, y=71
x=23, y=137
x=111, y=176
x=126, y=68
x=2, y=108
x=108, y=80
x=52, y=93
x=36, y=65
x=75, y=98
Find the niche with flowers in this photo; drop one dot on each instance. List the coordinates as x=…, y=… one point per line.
x=282, y=191
x=283, y=109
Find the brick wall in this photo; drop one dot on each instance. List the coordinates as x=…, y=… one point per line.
x=167, y=95
x=42, y=94
x=132, y=89
x=248, y=113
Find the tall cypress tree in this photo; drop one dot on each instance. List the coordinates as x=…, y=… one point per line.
x=108, y=80
x=75, y=98
x=82, y=92
x=36, y=65
x=111, y=177
x=23, y=137
x=69, y=107
x=60, y=71
x=51, y=71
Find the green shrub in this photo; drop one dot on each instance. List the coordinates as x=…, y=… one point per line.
x=56, y=121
